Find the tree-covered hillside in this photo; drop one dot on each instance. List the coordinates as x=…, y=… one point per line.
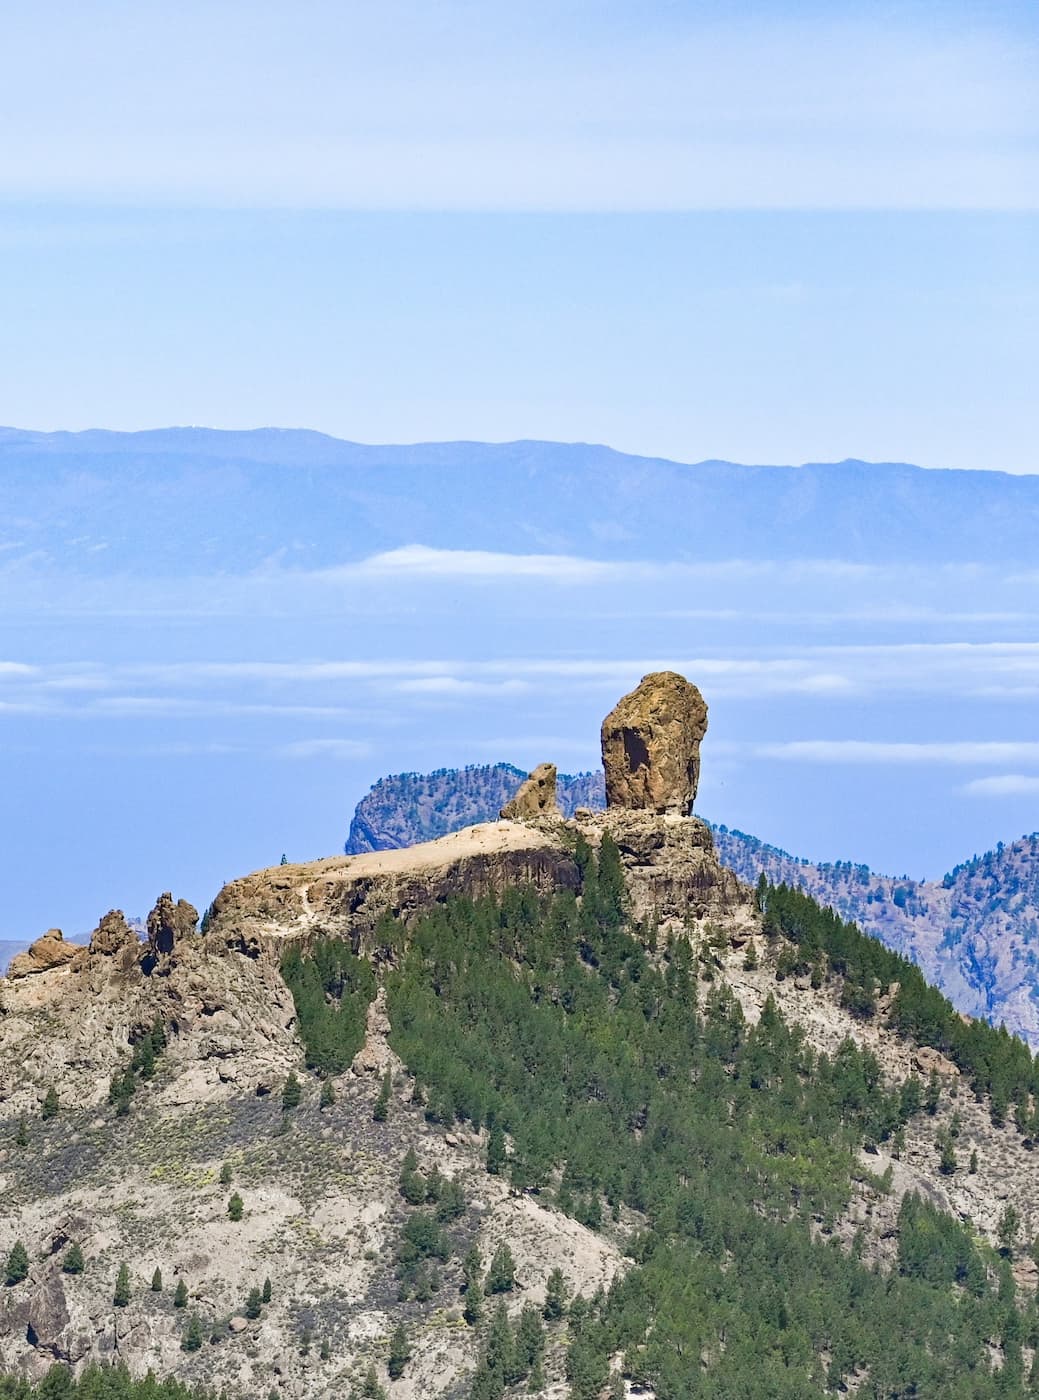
x=973, y=932
x=621, y=1081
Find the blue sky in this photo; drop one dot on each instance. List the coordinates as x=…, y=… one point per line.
x=759, y=232
x=777, y=232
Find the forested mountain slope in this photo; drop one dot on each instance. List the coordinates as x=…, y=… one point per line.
x=975, y=933
x=523, y=1143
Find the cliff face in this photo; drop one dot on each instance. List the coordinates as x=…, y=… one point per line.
x=346, y=896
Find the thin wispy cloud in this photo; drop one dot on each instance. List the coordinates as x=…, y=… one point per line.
x=338, y=749
x=864, y=751
x=1005, y=671
x=1003, y=785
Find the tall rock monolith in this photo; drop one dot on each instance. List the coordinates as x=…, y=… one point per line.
x=651, y=746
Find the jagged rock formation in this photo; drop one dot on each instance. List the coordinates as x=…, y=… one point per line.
x=651, y=745
x=113, y=934
x=72, y=1026
x=169, y=922
x=536, y=797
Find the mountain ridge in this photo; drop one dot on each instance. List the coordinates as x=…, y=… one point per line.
x=643, y=505
x=973, y=932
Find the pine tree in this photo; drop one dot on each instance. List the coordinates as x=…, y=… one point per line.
x=530, y=1340
x=934, y=1093
x=400, y=1353
x=761, y=892
x=381, y=1111
x=472, y=1274
x=328, y=1094
x=17, y=1264
x=412, y=1183
x=235, y=1207
x=555, y=1296
x=121, y=1091
x=180, y=1294
x=946, y=1156
x=121, y=1294
x=496, y=1156
x=253, y=1303
x=266, y=1294
x=326, y=1349
x=73, y=1263
x=226, y=1174
x=498, y=1351
x=145, y=1058
x=501, y=1276
x=21, y=1137
x=1008, y=1229
x=50, y=1104
x=370, y=1388
x=292, y=1093
x=157, y=1281
x=193, y=1334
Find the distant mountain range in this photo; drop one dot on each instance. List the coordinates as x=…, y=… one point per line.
x=337, y=497
x=974, y=933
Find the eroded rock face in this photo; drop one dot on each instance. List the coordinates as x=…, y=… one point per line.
x=345, y=897
x=671, y=871
x=112, y=934
x=169, y=922
x=536, y=797
x=49, y=951
x=651, y=746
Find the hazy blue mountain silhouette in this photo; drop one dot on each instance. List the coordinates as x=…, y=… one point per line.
x=189, y=496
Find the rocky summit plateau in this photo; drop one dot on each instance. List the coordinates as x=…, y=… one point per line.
x=552, y=1104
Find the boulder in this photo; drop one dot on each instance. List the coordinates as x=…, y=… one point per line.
x=651, y=746
x=46, y=952
x=928, y=1060
x=536, y=797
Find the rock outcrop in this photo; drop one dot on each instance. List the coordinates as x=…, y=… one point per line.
x=651, y=746
x=536, y=797
x=113, y=934
x=346, y=896
x=46, y=952
x=671, y=871
x=168, y=923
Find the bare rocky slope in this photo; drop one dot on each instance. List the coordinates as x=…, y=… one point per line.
x=975, y=933
x=148, y=1114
